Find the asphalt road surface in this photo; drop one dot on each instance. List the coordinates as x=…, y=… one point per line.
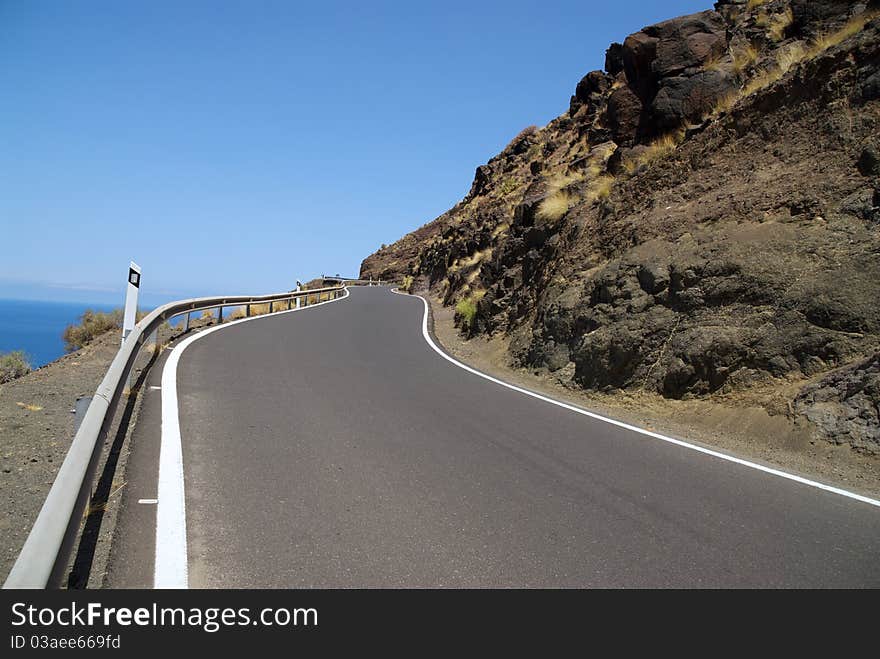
x=335, y=448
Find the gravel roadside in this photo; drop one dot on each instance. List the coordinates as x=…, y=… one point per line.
x=36, y=429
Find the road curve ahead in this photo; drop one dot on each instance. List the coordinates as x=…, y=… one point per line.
x=335, y=448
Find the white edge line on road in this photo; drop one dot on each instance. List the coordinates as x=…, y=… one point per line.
x=642, y=431
x=171, y=559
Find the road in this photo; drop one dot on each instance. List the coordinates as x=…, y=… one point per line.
x=335, y=448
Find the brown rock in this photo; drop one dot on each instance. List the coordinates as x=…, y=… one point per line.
x=624, y=114
x=688, y=42
x=639, y=52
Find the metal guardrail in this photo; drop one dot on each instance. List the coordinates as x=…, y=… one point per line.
x=46, y=552
x=361, y=282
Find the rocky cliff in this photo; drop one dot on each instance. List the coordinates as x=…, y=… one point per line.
x=705, y=218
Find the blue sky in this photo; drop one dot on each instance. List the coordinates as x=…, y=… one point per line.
x=233, y=147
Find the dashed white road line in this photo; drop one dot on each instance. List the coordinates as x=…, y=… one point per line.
x=678, y=442
x=171, y=558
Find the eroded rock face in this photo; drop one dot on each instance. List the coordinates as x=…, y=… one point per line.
x=614, y=59
x=689, y=319
x=590, y=91
x=685, y=44
x=685, y=100
x=664, y=66
x=639, y=53
x=624, y=115
x=844, y=407
x=743, y=254
x=813, y=17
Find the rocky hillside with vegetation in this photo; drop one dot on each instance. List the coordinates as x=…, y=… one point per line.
x=704, y=219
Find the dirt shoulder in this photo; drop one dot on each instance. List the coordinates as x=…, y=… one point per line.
x=36, y=429
x=736, y=425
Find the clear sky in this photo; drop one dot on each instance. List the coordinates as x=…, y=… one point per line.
x=234, y=146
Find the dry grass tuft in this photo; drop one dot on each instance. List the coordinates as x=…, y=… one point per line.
x=788, y=57
x=785, y=60
x=30, y=407
x=852, y=28
x=725, y=104
x=562, y=181
x=744, y=58
x=559, y=199
x=553, y=207
x=714, y=62
x=752, y=4
x=468, y=262
x=601, y=187
x=779, y=23
x=508, y=186
x=662, y=146
x=466, y=309
x=500, y=230
x=656, y=150
x=13, y=365
x=260, y=309
x=92, y=324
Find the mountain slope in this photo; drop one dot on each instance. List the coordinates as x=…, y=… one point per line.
x=703, y=220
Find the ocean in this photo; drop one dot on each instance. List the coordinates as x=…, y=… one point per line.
x=36, y=326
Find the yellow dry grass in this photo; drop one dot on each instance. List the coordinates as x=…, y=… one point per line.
x=259, y=309
x=656, y=150
x=799, y=52
x=471, y=261
x=560, y=181
x=662, y=146
x=553, y=207
x=744, y=57
x=779, y=23
x=499, y=230
x=852, y=28
x=601, y=187
x=785, y=60
x=30, y=407
x=714, y=62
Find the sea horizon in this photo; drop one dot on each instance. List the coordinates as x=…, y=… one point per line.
x=36, y=326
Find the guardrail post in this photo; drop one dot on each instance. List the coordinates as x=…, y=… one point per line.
x=247, y=311
x=219, y=315
x=186, y=324
x=271, y=306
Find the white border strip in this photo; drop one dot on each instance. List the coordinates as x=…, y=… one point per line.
x=171, y=559
x=620, y=424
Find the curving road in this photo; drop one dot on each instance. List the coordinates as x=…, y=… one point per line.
x=335, y=448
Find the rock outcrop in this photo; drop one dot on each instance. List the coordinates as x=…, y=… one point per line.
x=844, y=406
x=705, y=218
